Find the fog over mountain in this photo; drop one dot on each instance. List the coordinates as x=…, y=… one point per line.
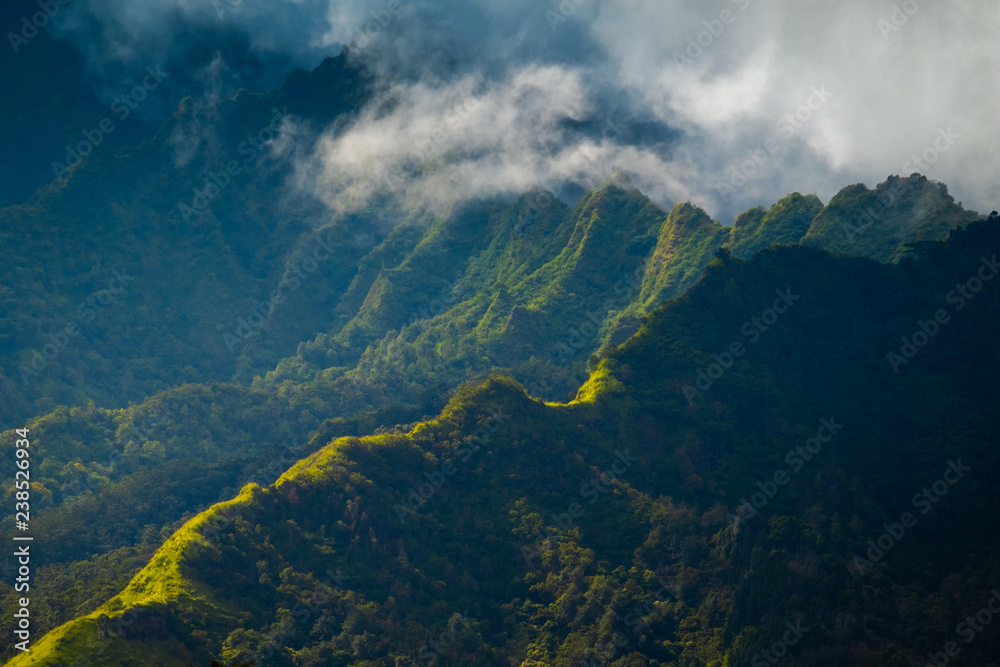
x=521, y=333
x=680, y=93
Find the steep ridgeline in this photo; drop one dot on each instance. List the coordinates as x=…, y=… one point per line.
x=883, y=222
x=531, y=290
x=796, y=459
x=484, y=289
x=186, y=260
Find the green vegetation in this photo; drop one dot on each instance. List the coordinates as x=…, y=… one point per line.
x=532, y=302
x=881, y=223
x=147, y=294
x=166, y=357
x=508, y=561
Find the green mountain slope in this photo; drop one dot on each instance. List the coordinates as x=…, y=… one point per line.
x=115, y=287
x=51, y=111
x=510, y=530
x=786, y=222
x=414, y=311
x=881, y=223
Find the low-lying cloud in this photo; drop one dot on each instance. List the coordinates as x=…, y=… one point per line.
x=481, y=137
x=713, y=102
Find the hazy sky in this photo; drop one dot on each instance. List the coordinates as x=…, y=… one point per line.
x=495, y=97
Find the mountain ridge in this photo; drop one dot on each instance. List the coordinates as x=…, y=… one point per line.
x=234, y=355
x=518, y=302
x=701, y=454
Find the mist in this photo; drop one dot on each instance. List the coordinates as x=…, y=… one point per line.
x=728, y=104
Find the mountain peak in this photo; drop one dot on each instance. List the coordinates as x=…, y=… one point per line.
x=880, y=223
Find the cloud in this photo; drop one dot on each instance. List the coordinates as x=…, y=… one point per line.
x=479, y=137
x=895, y=84
x=714, y=102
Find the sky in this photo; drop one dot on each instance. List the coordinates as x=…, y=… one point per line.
x=728, y=104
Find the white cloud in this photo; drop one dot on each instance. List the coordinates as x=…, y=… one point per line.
x=684, y=128
x=477, y=137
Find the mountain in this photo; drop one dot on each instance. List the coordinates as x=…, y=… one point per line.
x=124, y=289
x=413, y=312
x=56, y=108
x=171, y=261
x=777, y=462
x=883, y=222
x=178, y=331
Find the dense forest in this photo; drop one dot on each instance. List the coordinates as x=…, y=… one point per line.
x=641, y=521
x=530, y=428
x=535, y=303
